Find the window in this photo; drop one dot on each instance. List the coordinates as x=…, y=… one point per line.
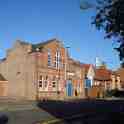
x=54, y=82
x=46, y=82
x=41, y=82
x=49, y=57
x=57, y=59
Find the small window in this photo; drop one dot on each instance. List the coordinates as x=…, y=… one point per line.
x=46, y=82
x=49, y=57
x=53, y=84
x=41, y=77
x=40, y=81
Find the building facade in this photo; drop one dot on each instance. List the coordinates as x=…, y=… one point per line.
x=98, y=80
x=3, y=86
x=75, y=79
x=120, y=72
x=42, y=71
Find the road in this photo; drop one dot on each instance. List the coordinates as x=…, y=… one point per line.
x=88, y=111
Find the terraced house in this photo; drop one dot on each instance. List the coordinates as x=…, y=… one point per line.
x=42, y=71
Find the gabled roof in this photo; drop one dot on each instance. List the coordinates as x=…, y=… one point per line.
x=74, y=62
x=103, y=74
x=2, y=78
x=86, y=67
x=41, y=45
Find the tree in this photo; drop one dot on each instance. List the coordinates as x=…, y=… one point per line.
x=110, y=18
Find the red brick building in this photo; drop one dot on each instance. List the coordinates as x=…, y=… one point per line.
x=42, y=71
x=120, y=72
x=100, y=80
x=3, y=86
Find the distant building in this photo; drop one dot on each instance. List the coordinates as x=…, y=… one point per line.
x=120, y=72
x=100, y=79
x=98, y=62
x=42, y=71
x=75, y=76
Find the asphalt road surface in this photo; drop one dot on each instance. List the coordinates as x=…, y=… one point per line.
x=89, y=111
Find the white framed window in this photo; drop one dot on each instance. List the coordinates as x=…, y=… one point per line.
x=40, y=83
x=49, y=58
x=54, y=82
x=46, y=82
x=57, y=59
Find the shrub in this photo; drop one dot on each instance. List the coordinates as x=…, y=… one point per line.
x=115, y=93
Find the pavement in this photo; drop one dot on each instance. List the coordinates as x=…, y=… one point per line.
x=23, y=112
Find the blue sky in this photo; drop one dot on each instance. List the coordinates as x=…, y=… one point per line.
x=39, y=20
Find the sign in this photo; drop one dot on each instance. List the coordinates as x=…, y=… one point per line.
x=70, y=74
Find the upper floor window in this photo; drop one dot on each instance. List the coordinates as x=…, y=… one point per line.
x=49, y=57
x=58, y=59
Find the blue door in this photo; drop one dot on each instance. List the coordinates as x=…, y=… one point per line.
x=69, y=88
x=87, y=83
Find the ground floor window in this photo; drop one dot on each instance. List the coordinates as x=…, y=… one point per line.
x=46, y=82
x=41, y=81
x=54, y=84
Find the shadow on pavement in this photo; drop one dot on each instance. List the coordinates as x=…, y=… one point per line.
x=90, y=111
x=3, y=119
